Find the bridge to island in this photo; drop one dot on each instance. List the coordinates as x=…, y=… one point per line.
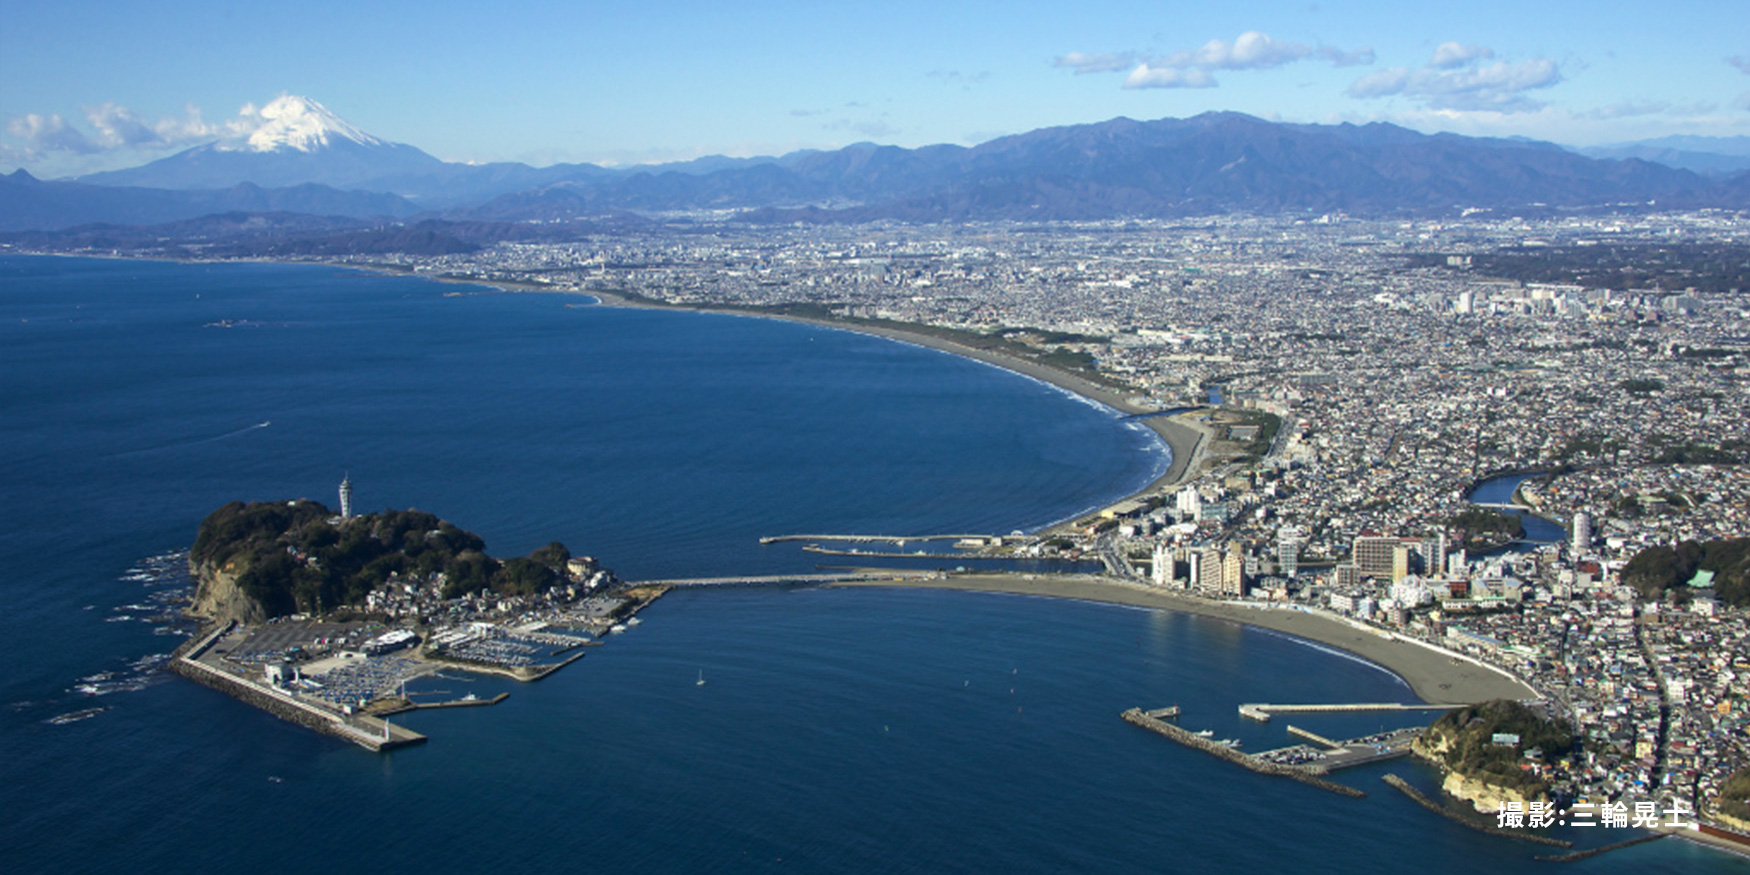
x=891, y=539
x=797, y=579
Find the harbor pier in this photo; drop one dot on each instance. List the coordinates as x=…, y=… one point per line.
x=1261, y=712
x=1306, y=774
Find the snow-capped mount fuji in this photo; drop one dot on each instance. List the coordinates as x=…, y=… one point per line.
x=298, y=123
x=297, y=141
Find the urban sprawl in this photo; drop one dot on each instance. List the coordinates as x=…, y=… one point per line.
x=1354, y=381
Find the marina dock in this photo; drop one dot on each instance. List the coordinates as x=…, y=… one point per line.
x=1333, y=755
x=1305, y=773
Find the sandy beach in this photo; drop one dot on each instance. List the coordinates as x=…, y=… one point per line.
x=1436, y=677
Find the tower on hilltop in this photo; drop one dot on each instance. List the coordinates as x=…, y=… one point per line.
x=346, y=497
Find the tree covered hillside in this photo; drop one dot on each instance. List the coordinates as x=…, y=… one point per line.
x=1656, y=570
x=300, y=557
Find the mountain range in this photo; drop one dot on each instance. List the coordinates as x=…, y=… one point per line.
x=304, y=159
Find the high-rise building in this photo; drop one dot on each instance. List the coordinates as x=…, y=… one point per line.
x=1233, y=571
x=1373, y=555
x=1434, y=553
x=1189, y=502
x=1400, y=561
x=346, y=497
x=1582, y=533
x=1205, y=569
x=1288, y=551
x=1161, y=573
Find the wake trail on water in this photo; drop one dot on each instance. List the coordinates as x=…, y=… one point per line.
x=196, y=442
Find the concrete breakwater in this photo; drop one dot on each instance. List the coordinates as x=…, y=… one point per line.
x=366, y=732
x=1313, y=775
x=453, y=703
x=369, y=733
x=1577, y=856
x=1422, y=800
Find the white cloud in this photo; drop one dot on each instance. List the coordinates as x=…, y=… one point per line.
x=1742, y=62
x=1192, y=68
x=1448, y=55
x=119, y=129
x=49, y=133
x=1340, y=58
x=1105, y=62
x=1252, y=50
x=1145, y=76
x=1454, y=80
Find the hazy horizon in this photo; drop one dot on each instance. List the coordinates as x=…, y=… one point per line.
x=94, y=89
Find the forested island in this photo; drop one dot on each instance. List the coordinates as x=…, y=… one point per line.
x=260, y=560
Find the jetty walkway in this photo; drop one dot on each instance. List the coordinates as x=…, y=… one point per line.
x=778, y=579
x=1261, y=712
x=890, y=539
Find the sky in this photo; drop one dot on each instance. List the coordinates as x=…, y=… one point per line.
x=86, y=86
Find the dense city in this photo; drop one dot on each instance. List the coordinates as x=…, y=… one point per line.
x=1352, y=382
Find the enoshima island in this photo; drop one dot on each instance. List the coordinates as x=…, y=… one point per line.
x=322, y=617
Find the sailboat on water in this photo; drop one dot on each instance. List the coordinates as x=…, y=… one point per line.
x=701, y=681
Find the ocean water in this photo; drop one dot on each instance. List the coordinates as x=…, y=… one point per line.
x=839, y=730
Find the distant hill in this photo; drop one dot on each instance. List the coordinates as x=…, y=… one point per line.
x=1716, y=156
x=28, y=203
x=1214, y=163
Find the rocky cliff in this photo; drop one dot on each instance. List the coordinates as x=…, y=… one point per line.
x=218, y=598
x=1490, y=752
x=1486, y=797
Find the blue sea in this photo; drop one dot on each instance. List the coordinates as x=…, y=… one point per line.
x=858, y=730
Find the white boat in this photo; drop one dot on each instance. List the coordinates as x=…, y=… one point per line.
x=701, y=681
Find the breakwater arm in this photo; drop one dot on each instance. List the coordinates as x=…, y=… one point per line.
x=1422, y=800
x=1313, y=775
x=1577, y=856
x=367, y=732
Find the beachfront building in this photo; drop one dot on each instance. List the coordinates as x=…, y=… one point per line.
x=1288, y=551
x=1233, y=568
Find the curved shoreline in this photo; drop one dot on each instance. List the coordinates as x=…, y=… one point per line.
x=1435, y=676
x=1187, y=442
